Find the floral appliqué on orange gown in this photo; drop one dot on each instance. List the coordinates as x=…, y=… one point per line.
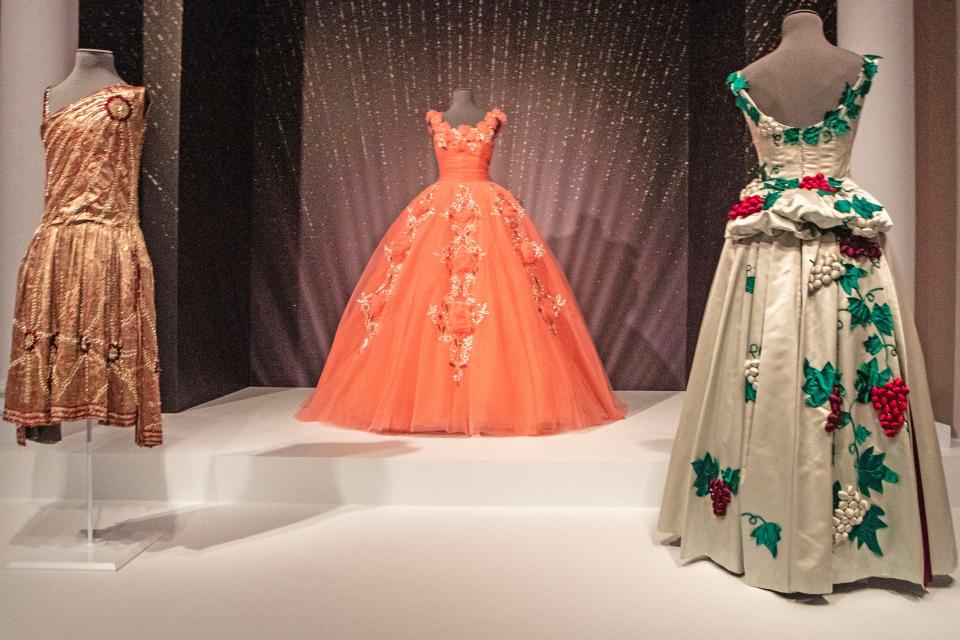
x=84, y=329
x=463, y=321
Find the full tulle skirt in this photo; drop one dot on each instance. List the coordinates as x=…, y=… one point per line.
x=463, y=322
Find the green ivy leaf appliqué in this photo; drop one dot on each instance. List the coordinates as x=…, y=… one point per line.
x=749, y=391
x=751, y=284
x=864, y=208
x=770, y=199
x=850, y=279
x=819, y=383
x=748, y=108
x=872, y=472
x=732, y=478
x=736, y=82
x=873, y=344
x=859, y=205
x=869, y=375
x=782, y=184
x=811, y=135
x=882, y=319
x=870, y=65
x=835, y=121
x=865, y=533
x=859, y=312
x=791, y=135
x=861, y=434
x=764, y=533
x=706, y=469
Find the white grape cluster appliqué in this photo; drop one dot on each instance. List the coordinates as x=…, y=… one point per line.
x=826, y=270
x=751, y=369
x=848, y=514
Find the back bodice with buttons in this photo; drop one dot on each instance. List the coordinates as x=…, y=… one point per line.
x=804, y=184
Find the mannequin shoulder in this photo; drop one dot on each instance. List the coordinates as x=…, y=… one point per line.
x=783, y=66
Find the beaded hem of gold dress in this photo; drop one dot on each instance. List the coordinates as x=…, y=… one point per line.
x=84, y=329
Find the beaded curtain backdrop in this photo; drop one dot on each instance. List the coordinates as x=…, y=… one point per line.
x=620, y=144
x=595, y=148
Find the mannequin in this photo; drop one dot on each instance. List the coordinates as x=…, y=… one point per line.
x=93, y=70
x=463, y=109
x=803, y=77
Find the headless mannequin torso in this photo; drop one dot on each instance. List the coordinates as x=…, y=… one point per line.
x=803, y=77
x=463, y=109
x=92, y=71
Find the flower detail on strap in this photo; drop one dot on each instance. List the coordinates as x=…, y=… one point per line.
x=464, y=137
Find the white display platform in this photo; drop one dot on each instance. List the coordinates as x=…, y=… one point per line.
x=248, y=447
x=262, y=572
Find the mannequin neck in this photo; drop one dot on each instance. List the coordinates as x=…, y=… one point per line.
x=93, y=70
x=462, y=109
x=462, y=98
x=95, y=61
x=803, y=28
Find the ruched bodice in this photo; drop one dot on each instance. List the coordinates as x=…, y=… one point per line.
x=464, y=152
x=804, y=184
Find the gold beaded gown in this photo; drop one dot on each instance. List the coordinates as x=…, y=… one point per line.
x=84, y=329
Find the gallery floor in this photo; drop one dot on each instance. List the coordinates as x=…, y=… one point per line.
x=277, y=529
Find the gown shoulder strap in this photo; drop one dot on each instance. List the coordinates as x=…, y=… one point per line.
x=46, y=103
x=738, y=86
x=433, y=118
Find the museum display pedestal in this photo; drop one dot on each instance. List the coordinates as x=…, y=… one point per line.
x=74, y=553
x=57, y=546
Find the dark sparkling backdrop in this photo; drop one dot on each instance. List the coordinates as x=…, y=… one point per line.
x=623, y=143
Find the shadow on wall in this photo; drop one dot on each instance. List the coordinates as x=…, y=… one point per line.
x=631, y=304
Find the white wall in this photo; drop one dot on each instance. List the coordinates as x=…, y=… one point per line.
x=956, y=342
x=883, y=158
x=38, y=39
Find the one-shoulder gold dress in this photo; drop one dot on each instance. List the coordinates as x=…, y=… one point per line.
x=84, y=330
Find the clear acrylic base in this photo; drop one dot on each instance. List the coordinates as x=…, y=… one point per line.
x=74, y=553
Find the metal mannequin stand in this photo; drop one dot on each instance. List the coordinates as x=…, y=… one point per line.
x=67, y=549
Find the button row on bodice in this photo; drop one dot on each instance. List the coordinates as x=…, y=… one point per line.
x=830, y=158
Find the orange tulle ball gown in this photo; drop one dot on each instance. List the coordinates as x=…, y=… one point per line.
x=463, y=321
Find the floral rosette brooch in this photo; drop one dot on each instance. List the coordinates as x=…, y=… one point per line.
x=118, y=108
